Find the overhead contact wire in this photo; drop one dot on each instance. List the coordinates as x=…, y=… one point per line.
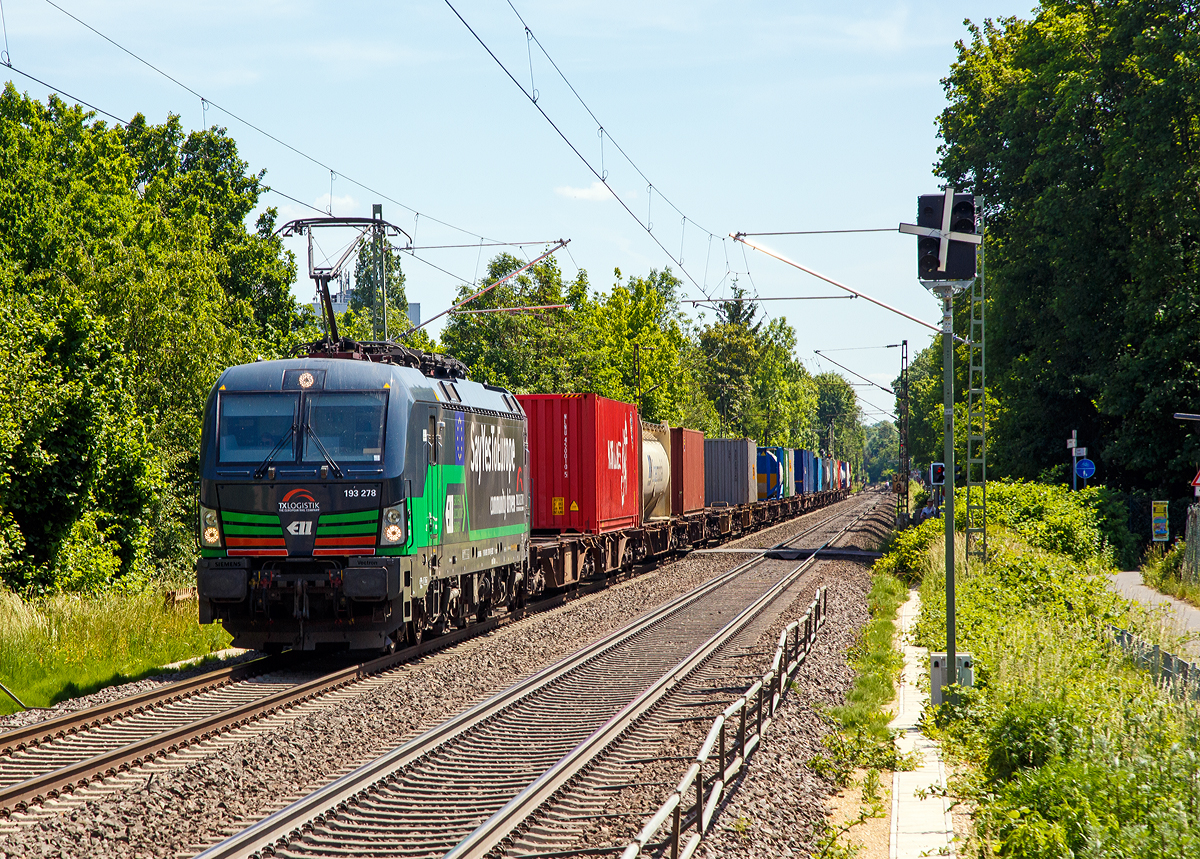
x=251, y=125
x=595, y=119
x=572, y=146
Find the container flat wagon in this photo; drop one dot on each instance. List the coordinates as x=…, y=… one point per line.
x=668, y=489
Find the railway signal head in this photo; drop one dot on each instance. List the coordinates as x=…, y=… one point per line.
x=937, y=474
x=946, y=236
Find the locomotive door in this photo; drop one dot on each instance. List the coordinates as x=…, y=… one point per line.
x=432, y=434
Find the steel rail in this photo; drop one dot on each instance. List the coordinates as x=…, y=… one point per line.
x=78, y=720
x=52, y=783
x=501, y=825
x=289, y=823
x=20, y=795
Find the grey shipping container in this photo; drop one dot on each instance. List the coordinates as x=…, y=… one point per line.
x=730, y=471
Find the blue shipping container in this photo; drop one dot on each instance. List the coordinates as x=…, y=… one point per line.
x=770, y=473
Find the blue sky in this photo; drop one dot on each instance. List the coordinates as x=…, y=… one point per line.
x=747, y=117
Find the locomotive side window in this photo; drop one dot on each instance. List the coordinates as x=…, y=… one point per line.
x=349, y=425
x=251, y=425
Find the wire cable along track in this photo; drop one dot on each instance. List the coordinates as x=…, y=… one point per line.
x=463, y=787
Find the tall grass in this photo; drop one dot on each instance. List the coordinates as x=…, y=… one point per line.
x=1162, y=569
x=876, y=661
x=1070, y=750
x=62, y=646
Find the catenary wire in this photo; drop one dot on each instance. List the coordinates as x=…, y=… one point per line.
x=860, y=375
x=269, y=188
x=7, y=58
x=822, y=232
x=60, y=91
x=261, y=131
x=602, y=179
x=602, y=130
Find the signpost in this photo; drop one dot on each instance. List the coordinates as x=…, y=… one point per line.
x=946, y=256
x=1071, y=447
x=1159, y=523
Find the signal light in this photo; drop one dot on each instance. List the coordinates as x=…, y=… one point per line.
x=937, y=474
x=960, y=255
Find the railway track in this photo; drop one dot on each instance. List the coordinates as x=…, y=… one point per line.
x=463, y=787
x=48, y=759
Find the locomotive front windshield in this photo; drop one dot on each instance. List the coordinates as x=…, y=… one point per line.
x=251, y=425
x=349, y=425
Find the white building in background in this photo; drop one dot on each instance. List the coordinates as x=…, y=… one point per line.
x=341, y=303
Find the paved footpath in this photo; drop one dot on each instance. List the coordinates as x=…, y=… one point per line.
x=920, y=827
x=1129, y=584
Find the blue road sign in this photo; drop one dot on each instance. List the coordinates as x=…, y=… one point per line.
x=1085, y=468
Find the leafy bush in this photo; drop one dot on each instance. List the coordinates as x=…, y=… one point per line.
x=908, y=558
x=877, y=662
x=1050, y=517
x=1071, y=750
x=1029, y=734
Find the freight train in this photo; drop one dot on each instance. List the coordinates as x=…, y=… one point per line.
x=367, y=495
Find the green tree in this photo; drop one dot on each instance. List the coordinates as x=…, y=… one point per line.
x=839, y=420
x=128, y=280
x=554, y=350
x=1078, y=129
x=370, y=300
x=880, y=451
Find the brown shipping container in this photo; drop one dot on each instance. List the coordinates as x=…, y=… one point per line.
x=687, y=471
x=583, y=462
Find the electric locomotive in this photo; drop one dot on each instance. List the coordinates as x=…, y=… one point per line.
x=359, y=498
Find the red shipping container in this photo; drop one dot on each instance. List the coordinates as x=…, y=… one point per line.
x=583, y=462
x=687, y=471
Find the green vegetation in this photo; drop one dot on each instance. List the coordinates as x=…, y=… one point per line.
x=1069, y=750
x=128, y=280
x=863, y=739
x=58, y=647
x=876, y=661
x=1075, y=129
x=137, y=262
x=1162, y=569
x=880, y=451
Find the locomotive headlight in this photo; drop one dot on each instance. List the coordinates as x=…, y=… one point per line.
x=393, y=525
x=210, y=530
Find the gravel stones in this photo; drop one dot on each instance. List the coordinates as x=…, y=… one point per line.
x=177, y=811
x=113, y=693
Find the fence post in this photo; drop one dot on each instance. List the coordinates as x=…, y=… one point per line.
x=721, y=755
x=761, y=691
x=675, y=829
x=742, y=734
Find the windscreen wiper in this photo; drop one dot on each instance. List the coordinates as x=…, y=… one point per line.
x=262, y=468
x=337, y=472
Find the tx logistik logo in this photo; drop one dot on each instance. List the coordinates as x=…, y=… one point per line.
x=299, y=501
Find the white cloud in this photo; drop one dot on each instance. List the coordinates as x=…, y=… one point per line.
x=597, y=191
